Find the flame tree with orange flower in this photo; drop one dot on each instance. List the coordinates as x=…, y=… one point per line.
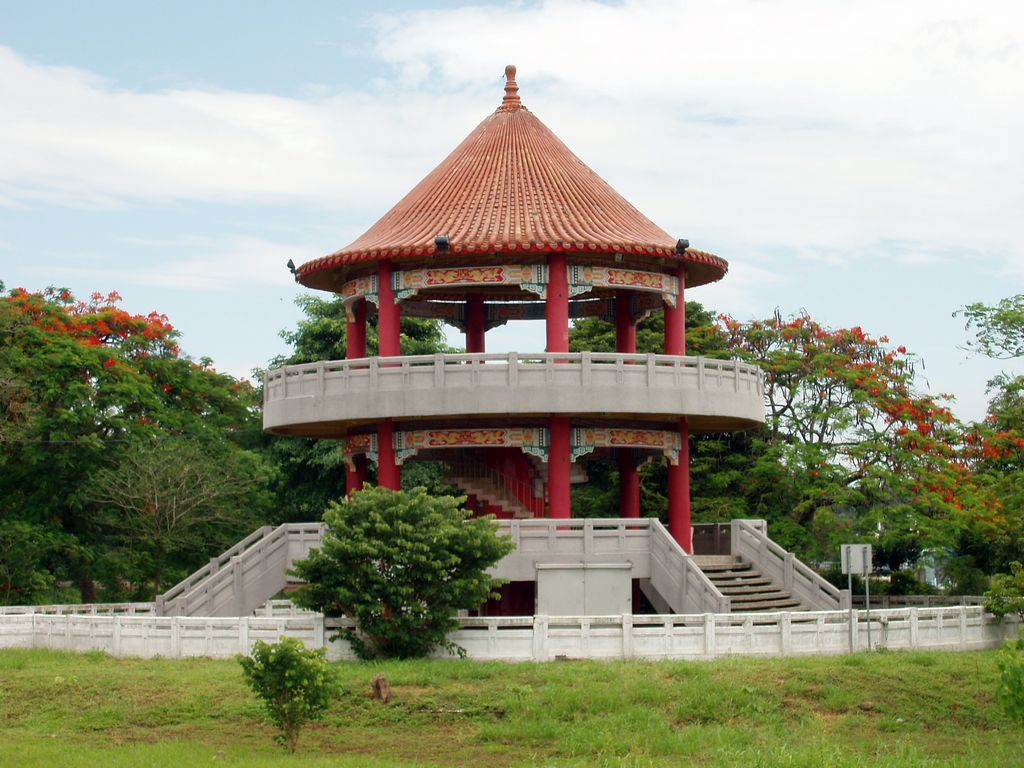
x=81, y=384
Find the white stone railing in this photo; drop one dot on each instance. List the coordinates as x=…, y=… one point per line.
x=750, y=541
x=93, y=609
x=446, y=385
x=244, y=577
x=532, y=638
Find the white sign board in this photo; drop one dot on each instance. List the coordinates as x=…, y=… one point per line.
x=856, y=558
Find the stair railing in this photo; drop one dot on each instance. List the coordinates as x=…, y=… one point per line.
x=750, y=541
x=510, y=490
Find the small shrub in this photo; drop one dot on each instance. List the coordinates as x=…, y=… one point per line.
x=295, y=683
x=1006, y=593
x=1010, y=688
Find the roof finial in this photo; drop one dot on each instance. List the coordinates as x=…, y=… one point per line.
x=511, y=89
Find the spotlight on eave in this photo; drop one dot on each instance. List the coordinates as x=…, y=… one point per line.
x=291, y=268
x=443, y=243
x=681, y=246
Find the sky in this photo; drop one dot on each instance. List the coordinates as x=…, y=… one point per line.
x=860, y=161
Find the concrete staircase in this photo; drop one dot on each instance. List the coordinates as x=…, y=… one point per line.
x=747, y=588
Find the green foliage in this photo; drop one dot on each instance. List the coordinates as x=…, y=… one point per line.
x=1006, y=593
x=23, y=549
x=999, y=329
x=295, y=683
x=80, y=381
x=400, y=564
x=1010, y=688
x=180, y=496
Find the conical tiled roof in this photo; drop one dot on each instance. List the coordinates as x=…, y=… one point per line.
x=512, y=185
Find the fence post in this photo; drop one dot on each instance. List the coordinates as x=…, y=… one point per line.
x=963, y=627
x=236, y=564
x=785, y=634
x=913, y=628
x=243, y=635
x=67, y=632
x=540, y=638
x=627, y=636
x=318, y=632
x=787, y=573
x=709, y=635
x=175, y=637
x=117, y=638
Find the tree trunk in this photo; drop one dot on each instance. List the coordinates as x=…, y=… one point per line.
x=159, y=571
x=86, y=586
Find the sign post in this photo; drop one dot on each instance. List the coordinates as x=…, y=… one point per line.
x=856, y=558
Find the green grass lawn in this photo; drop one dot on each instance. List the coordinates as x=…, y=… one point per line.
x=885, y=709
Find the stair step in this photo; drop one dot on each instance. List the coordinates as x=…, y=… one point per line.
x=741, y=581
x=760, y=597
x=725, y=567
x=757, y=589
x=768, y=606
x=711, y=560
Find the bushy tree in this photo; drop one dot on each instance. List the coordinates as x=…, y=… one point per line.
x=80, y=382
x=1006, y=593
x=167, y=497
x=295, y=683
x=400, y=564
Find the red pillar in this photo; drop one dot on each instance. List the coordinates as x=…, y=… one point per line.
x=679, y=475
x=355, y=479
x=675, y=321
x=559, y=453
x=629, y=485
x=559, y=464
x=389, y=474
x=355, y=332
x=625, y=330
x=476, y=324
x=557, y=304
x=389, y=325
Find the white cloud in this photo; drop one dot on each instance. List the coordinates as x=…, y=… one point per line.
x=828, y=128
x=70, y=138
x=216, y=265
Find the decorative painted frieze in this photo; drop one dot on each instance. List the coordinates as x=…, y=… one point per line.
x=586, y=439
x=532, y=440
x=360, y=444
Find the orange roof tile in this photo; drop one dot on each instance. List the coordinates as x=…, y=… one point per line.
x=512, y=185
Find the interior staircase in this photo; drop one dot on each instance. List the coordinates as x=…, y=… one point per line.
x=747, y=588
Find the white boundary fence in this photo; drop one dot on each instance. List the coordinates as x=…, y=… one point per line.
x=526, y=638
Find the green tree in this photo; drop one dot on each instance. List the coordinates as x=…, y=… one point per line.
x=295, y=683
x=85, y=380
x=175, y=496
x=399, y=565
x=999, y=329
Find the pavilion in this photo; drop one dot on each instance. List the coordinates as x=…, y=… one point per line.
x=512, y=226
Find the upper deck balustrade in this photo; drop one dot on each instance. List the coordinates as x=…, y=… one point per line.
x=325, y=397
